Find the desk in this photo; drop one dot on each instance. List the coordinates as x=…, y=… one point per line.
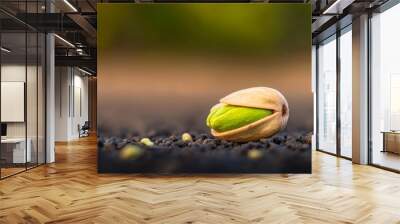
x=391, y=141
x=18, y=149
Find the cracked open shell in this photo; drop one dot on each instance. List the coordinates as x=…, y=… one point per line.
x=266, y=98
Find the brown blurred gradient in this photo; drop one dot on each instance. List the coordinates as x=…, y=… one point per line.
x=163, y=66
x=142, y=92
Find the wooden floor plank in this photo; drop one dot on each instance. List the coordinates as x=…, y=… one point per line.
x=71, y=191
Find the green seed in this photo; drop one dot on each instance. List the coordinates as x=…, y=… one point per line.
x=254, y=154
x=186, y=137
x=146, y=142
x=229, y=117
x=130, y=152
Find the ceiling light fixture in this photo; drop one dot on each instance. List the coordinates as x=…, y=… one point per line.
x=5, y=50
x=84, y=71
x=70, y=5
x=337, y=7
x=80, y=51
x=64, y=40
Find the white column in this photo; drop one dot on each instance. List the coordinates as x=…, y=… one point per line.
x=50, y=98
x=360, y=90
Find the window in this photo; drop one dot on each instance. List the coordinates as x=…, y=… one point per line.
x=334, y=94
x=385, y=89
x=327, y=95
x=345, y=92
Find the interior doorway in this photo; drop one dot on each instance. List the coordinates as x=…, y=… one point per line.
x=74, y=96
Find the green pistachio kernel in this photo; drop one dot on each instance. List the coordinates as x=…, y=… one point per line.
x=229, y=117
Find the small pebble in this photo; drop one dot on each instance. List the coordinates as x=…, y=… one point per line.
x=278, y=140
x=108, y=146
x=146, y=142
x=121, y=144
x=173, y=138
x=203, y=136
x=196, y=145
x=208, y=141
x=254, y=154
x=180, y=143
x=186, y=137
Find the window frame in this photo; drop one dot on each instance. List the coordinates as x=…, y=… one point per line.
x=337, y=34
x=381, y=9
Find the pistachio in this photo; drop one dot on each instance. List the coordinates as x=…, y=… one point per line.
x=130, y=152
x=186, y=137
x=254, y=154
x=146, y=142
x=249, y=114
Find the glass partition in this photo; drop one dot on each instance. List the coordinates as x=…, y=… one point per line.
x=22, y=88
x=32, y=95
x=14, y=153
x=327, y=95
x=41, y=96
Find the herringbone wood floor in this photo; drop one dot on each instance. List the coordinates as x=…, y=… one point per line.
x=71, y=191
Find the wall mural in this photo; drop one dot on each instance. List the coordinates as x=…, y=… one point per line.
x=204, y=88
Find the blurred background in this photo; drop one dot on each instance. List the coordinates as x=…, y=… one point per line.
x=163, y=66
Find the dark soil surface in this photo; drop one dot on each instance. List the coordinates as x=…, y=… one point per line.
x=283, y=153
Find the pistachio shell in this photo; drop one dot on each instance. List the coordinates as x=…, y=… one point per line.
x=257, y=97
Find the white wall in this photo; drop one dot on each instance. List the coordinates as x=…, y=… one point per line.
x=33, y=127
x=62, y=81
x=71, y=93
x=80, y=110
x=12, y=73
